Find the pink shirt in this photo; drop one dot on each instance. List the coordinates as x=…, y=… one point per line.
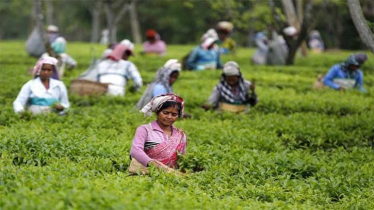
x=157, y=47
x=145, y=133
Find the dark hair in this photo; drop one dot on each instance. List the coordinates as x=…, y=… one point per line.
x=168, y=104
x=175, y=71
x=128, y=53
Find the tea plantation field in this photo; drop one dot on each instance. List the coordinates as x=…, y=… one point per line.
x=298, y=148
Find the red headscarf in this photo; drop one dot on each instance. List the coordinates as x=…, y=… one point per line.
x=151, y=33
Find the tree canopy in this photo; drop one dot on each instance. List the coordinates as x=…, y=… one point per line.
x=180, y=21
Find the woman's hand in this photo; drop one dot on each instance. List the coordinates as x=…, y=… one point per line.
x=252, y=86
x=164, y=167
x=206, y=107
x=58, y=107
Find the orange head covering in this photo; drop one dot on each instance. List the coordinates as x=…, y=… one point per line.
x=151, y=33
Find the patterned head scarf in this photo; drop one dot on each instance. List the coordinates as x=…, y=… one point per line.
x=156, y=103
x=46, y=60
x=351, y=60
x=345, y=66
x=59, y=45
x=361, y=58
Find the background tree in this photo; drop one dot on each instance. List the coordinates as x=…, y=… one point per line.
x=135, y=28
x=95, y=10
x=281, y=23
x=114, y=15
x=360, y=22
x=182, y=21
x=39, y=24
x=295, y=18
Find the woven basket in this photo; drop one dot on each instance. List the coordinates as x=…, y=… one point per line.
x=87, y=88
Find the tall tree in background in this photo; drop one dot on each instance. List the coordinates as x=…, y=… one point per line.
x=39, y=24
x=49, y=12
x=113, y=16
x=293, y=43
x=95, y=10
x=366, y=34
x=135, y=28
x=295, y=18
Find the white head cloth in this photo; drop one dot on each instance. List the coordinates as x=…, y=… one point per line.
x=207, y=42
x=128, y=44
x=210, y=33
x=231, y=68
x=225, y=25
x=52, y=28
x=290, y=31
x=173, y=64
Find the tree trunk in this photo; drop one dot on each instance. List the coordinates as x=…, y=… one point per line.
x=300, y=14
x=135, y=29
x=294, y=44
x=95, y=22
x=289, y=9
x=366, y=34
x=294, y=19
x=40, y=26
x=49, y=12
x=110, y=22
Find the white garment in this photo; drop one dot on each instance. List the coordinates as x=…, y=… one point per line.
x=116, y=74
x=345, y=83
x=35, y=89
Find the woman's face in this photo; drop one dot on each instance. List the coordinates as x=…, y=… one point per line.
x=232, y=80
x=211, y=46
x=126, y=55
x=222, y=35
x=353, y=67
x=168, y=116
x=151, y=39
x=46, y=71
x=173, y=77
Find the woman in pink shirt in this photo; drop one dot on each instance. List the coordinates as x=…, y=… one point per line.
x=154, y=45
x=159, y=142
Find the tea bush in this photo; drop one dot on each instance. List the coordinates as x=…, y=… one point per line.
x=299, y=148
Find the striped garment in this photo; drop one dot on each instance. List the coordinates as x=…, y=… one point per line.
x=226, y=92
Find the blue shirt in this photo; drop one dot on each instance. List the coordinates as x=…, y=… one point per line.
x=200, y=57
x=336, y=72
x=159, y=89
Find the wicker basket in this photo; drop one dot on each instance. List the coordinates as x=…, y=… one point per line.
x=87, y=88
